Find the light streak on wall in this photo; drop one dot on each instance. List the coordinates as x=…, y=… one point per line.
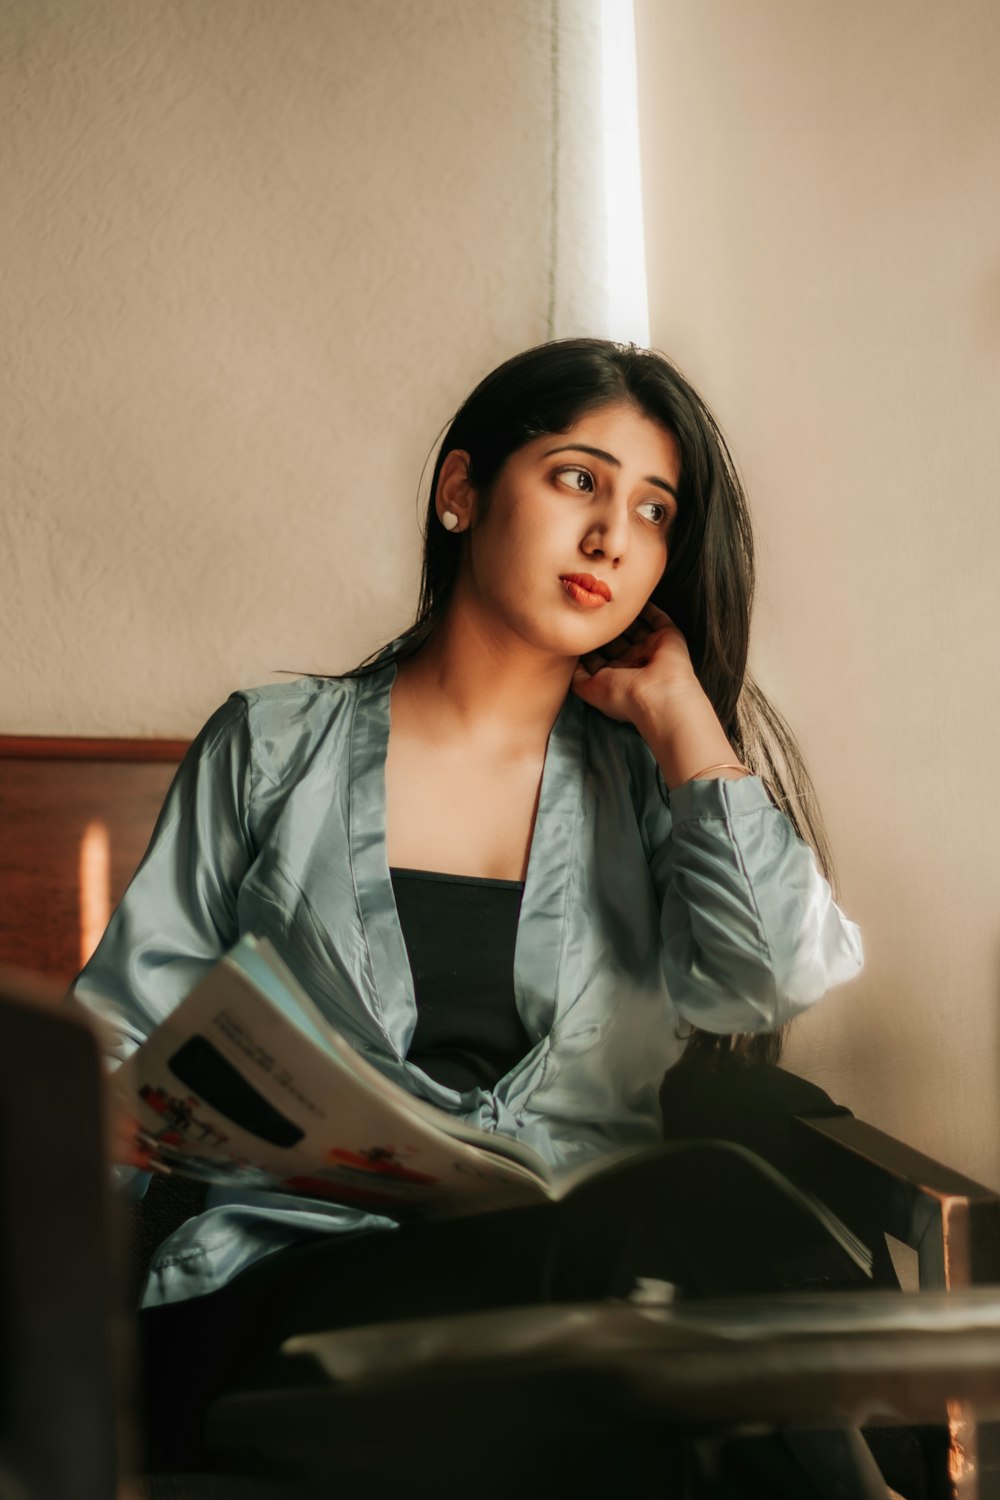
x=628, y=303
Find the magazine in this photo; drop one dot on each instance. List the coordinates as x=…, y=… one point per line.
x=246, y=1084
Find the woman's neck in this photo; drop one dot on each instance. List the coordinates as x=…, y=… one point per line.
x=467, y=683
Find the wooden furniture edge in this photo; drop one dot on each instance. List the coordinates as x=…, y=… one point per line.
x=952, y=1221
x=71, y=747
x=893, y=1156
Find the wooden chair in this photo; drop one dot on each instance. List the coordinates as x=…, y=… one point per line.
x=76, y=815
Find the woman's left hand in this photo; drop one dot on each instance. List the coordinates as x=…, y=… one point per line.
x=647, y=664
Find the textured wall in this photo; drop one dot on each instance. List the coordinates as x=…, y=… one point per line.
x=253, y=257
x=823, y=225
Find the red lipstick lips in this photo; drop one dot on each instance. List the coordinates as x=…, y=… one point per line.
x=586, y=589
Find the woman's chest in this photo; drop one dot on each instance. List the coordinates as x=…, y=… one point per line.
x=455, y=814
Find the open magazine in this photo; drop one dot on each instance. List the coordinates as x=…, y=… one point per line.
x=246, y=1084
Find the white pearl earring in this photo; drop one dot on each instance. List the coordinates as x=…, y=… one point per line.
x=449, y=520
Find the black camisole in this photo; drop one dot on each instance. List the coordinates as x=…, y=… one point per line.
x=460, y=932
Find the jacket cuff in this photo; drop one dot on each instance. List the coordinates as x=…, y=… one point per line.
x=724, y=797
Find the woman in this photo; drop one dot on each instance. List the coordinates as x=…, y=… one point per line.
x=508, y=856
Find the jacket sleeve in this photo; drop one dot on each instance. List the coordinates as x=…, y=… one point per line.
x=750, y=933
x=179, y=914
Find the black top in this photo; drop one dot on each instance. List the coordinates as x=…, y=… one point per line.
x=460, y=932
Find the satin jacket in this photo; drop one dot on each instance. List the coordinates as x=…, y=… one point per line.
x=641, y=911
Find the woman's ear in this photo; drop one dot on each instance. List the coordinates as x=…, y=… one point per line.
x=455, y=491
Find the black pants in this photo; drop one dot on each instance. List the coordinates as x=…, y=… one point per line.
x=704, y=1218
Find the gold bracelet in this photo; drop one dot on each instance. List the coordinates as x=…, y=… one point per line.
x=724, y=765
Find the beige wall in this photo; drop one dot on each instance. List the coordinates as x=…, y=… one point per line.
x=822, y=231
x=254, y=255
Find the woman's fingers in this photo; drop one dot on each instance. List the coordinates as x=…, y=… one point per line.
x=633, y=636
x=614, y=649
x=593, y=661
x=654, y=617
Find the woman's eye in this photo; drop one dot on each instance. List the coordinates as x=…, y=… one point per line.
x=663, y=514
x=578, y=479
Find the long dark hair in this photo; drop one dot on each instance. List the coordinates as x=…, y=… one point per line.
x=707, y=587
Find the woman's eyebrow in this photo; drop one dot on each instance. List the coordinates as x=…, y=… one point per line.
x=609, y=458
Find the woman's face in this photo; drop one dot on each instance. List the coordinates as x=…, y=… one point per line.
x=598, y=502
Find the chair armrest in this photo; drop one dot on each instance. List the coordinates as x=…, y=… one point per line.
x=951, y=1221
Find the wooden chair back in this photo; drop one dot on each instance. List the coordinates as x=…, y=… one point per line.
x=76, y=816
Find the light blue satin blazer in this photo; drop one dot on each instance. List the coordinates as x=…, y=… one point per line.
x=641, y=911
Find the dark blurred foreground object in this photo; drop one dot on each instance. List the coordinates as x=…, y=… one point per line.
x=601, y=1399
x=60, y=1343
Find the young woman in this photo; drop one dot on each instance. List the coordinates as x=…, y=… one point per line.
x=515, y=857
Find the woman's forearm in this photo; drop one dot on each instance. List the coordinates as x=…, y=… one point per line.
x=681, y=728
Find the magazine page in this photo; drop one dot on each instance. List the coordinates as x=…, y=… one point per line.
x=267, y=970
x=230, y=1089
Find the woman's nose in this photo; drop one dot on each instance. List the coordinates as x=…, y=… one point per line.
x=607, y=536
